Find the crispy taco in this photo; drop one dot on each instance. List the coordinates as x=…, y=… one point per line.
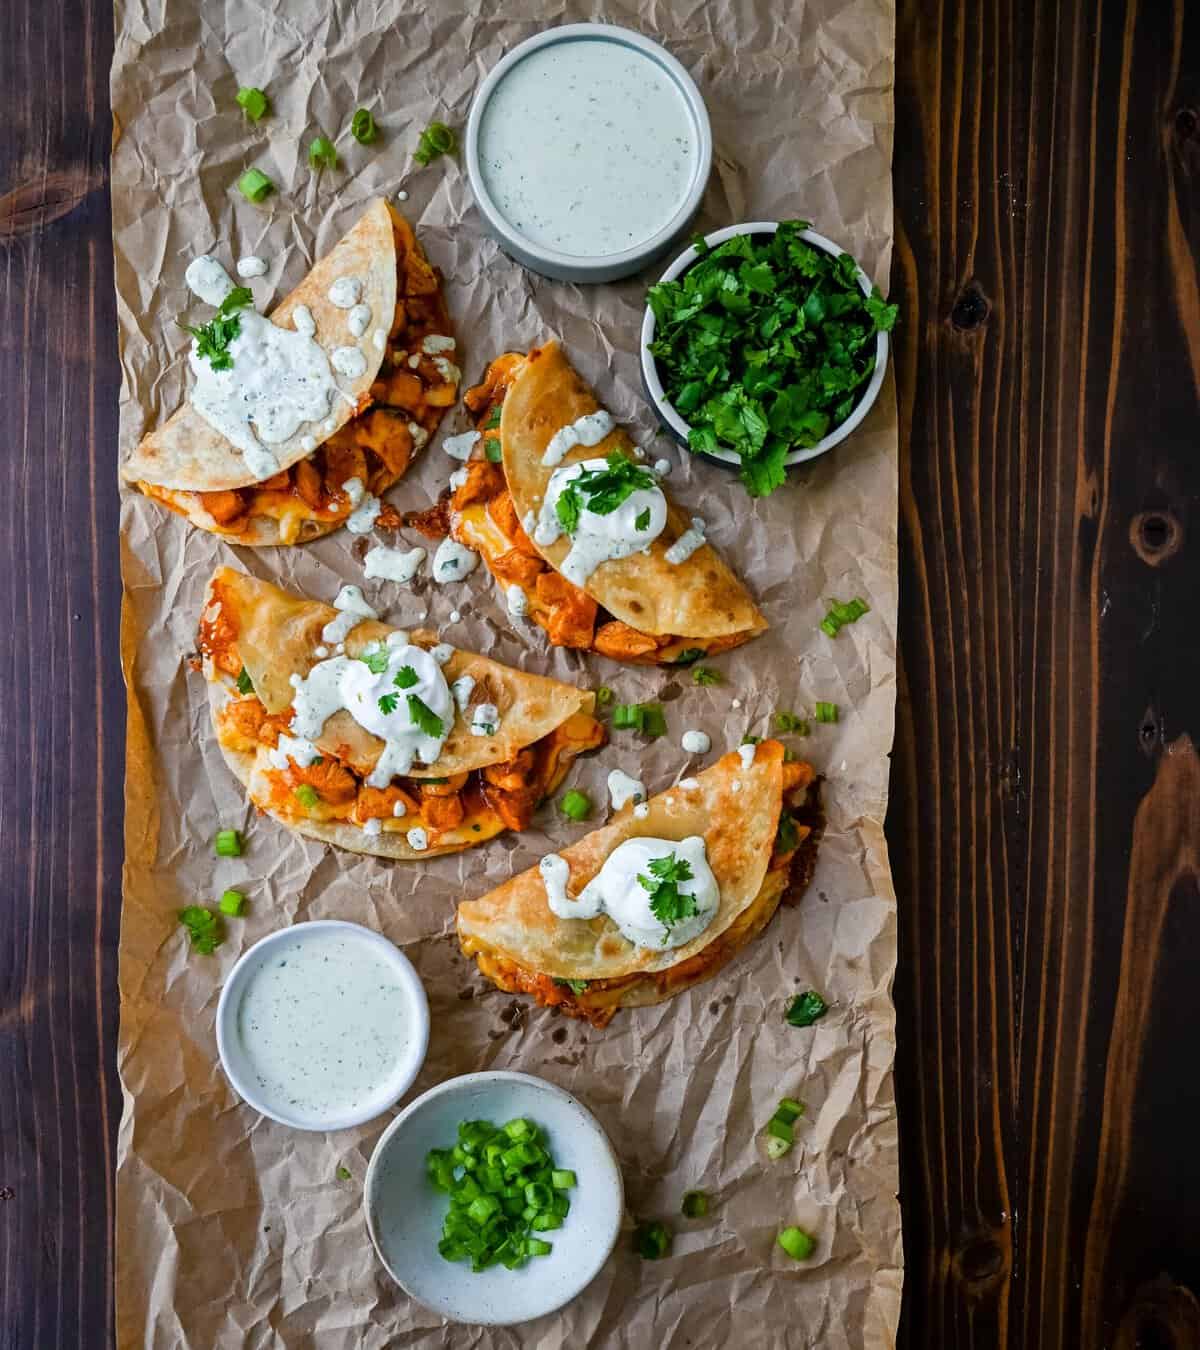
x=659, y=899
x=374, y=739
x=297, y=424
x=576, y=528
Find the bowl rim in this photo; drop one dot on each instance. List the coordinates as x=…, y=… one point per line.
x=649, y=364
x=391, y=1090
x=582, y=263
x=485, y=1078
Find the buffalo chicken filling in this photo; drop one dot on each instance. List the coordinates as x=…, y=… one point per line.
x=481, y=515
x=401, y=413
x=788, y=874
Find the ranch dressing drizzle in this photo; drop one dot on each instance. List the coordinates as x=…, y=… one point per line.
x=393, y=564
x=616, y=891
x=359, y=319
x=588, y=430
x=295, y=748
x=365, y=507
x=599, y=538
x=460, y=447
x=453, y=562
x=352, y=603
x=345, y=292
x=323, y=1023
x=279, y=380
x=349, y=361
x=687, y=543
x=485, y=719
x=696, y=742
x=622, y=789
x=587, y=147
x=379, y=705
x=251, y=266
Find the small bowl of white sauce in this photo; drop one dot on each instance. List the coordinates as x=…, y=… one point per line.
x=323, y=1025
x=588, y=150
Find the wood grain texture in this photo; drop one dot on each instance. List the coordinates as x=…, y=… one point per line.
x=1044, y=824
x=1045, y=828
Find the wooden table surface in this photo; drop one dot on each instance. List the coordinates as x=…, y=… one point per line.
x=1045, y=822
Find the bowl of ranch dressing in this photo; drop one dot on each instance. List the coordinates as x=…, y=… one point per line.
x=588, y=149
x=323, y=1025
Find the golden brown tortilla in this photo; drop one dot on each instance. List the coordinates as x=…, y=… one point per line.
x=698, y=598
x=187, y=454
x=736, y=809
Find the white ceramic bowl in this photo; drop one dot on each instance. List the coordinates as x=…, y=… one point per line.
x=610, y=266
x=390, y=1089
x=405, y=1213
x=676, y=425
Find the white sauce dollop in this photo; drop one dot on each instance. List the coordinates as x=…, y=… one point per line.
x=354, y=609
x=588, y=430
x=433, y=344
x=687, y=543
x=379, y=705
x=599, y=538
x=662, y=467
x=622, y=788
x=279, y=380
x=252, y=266
x=393, y=564
x=359, y=319
x=447, y=370
x=349, y=361
x=345, y=292
x=616, y=891
x=453, y=561
x=296, y=748
x=418, y=839
x=485, y=719
x=460, y=447
x=419, y=434
x=517, y=601
x=696, y=742
x=461, y=689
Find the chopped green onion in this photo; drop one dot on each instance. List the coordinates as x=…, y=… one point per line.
x=751, y=740
x=706, y=675
x=644, y=717
x=362, y=127
x=654, y=724
x=254, y=103
x=343, y=1174
x=841, y=613
x=625, y=717
x=789, y=722
x=695, y=1204
x=689, y=654
x=321, y=153
x=255, y=186
x=779, y=1129
x=536, y=1247
x=306, y=795
x=806, y=1008
x=776, y=1148
x=652, y=1241
x=491, y=448
x=826, y=712
x=575, y=805
x=604, y=695
x=437, y=139
x=562, y=1179
x=798, y=1244
x=228, y=844
x=231, y=903
x=493, y=419
x=245, y=685
x=205, y=929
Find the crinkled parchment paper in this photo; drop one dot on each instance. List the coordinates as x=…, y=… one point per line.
x=234, y=1231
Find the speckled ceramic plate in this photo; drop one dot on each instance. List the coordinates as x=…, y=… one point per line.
x=405, y=1213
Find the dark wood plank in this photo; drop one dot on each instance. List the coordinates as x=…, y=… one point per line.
x=62, y=730
x=1045, y=825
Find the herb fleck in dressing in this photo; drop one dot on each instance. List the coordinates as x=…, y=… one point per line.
x=587, y=147
x=323, y=1024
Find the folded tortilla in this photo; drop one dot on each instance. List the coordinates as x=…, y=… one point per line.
x=254, y=637
x=643, y=608
x=587, y=967
x=372, y=433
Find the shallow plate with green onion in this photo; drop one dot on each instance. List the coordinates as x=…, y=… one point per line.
x=761, y=353
x=562, y=1153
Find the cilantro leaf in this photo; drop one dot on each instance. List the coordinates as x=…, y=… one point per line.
x=245, y=685
x=405, y=678
x=567, y=509
x=805, y=1009
x=575, y=986
x=213, y=338
x=376, y=662
x=204, y=928
x=387, y=703
x=643, y=520
x=424, y=716
x=668, y=904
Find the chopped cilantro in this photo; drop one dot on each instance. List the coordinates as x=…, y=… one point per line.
x=706, y=675
x=405, y=678
x=491, y=448
x=805, y=1009
x=787, y=838
x=668, y=903
x=575, y=986
x=493, y=420
x=387, y=704
x=204, y=928
x=245, y=685
x=376, y=662
x=643, y=520
x=789, y=722
x=604, y=490
x=213, y=338
x=424, y=716
x=765, y=346
x=306, y=795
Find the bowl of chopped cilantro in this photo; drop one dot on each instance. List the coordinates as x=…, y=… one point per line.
x=763, y=346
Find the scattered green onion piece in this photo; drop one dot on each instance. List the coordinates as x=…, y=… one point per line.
x=841, y=613
x=362, y=127
x=562, y=1179
x=491, y=448
x=695, y=1204
x=806, y=1008
x=575, y=805
x=321, y=153
x=654, y=723
x=255, y=186
x=254, y=103
x=789, y=722
x=751, y=740
x=779, y=1129
x=493, y=420
x=776, y=1148
x=789, y=1110
x=625, y=717
x=604, y=695
x=652, y=1241
x=245, y=685
x=826, y=712
x=705, y=675
x=798, y=1244
x=830, y=626
x=206, y=931
x=306, y=795
x=536, y=1247
x=437, y=139
x=231, y=903
x=343, y=1174
x=228, y=844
